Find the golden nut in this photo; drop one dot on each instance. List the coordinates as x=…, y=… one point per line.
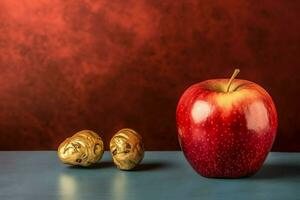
x=83, y=148
x=127, y=149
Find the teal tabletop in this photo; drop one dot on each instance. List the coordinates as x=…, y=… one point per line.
x=38, y=175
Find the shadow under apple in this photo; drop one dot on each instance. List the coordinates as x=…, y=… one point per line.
x=278, y=171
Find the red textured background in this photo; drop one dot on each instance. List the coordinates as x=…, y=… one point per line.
x=103, y=65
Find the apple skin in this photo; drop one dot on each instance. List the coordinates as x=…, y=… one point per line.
x=226, y=135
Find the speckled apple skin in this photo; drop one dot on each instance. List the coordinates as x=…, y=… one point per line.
x=226, y=140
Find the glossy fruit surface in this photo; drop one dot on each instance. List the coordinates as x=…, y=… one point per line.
x=226, y=134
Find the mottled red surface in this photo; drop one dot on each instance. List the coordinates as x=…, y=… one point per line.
x=104, y=65
x=226, y=134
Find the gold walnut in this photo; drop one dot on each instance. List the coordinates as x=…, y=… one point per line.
x=127, y=149
x=84, y=148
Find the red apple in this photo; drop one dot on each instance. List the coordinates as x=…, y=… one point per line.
x=226, y=127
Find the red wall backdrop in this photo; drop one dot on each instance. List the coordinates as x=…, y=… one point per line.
x=103, y=65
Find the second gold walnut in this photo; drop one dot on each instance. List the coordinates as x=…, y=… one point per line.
x=127, y=149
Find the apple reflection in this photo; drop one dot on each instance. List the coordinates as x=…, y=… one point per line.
x=200, y=111
x=256, y=115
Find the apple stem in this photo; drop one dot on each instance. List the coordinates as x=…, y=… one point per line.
x=235, y=73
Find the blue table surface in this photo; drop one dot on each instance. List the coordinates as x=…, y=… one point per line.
x=38, y=175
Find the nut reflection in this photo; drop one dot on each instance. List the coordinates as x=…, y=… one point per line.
x=83, y=148
x=127, y=149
